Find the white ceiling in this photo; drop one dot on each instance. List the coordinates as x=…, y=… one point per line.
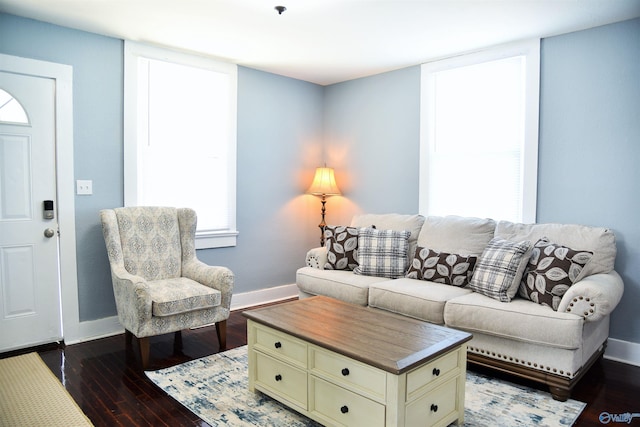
x=326, y=41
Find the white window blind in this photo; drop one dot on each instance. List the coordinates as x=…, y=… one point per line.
x=479, y=132
x=180, y=137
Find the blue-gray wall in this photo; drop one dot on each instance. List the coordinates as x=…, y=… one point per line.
x=589, y=143
x=372, y=133
x=279, y=145
x=368, y=129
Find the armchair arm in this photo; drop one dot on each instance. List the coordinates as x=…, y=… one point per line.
x=317, y=257
x=216, y=277
x=593, y=297
x=132, y=298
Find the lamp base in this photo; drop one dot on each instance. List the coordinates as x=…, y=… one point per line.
x=322, y=224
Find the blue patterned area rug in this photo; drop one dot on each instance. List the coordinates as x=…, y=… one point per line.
x=215, y=389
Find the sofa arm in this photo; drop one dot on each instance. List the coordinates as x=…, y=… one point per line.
x=593, y=297
x=317, y=258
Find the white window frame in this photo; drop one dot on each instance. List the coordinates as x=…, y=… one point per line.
x=529, y=166
x=132, y=51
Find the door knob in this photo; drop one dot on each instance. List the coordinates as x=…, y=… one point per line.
x=49, y=233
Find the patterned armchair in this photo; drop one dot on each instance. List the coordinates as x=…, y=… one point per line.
x=159, y=284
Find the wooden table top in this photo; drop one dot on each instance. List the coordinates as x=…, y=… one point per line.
x=378, y=338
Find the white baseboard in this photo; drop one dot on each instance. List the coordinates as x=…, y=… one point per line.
x=109, y=326
x=263, y=296
x=95, y=329
x=617, y=350
x=623, y=351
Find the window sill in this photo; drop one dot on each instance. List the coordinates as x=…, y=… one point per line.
x=216, y=239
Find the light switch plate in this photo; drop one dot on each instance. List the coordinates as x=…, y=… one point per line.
x=84, y=187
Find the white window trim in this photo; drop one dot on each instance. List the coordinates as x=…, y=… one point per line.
x=132, y=50
x=531, y=49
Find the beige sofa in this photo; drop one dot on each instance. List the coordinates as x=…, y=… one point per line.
x=554, y=343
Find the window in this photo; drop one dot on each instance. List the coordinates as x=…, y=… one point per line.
x=180, y=137
x=479, y=134
x=11, y=110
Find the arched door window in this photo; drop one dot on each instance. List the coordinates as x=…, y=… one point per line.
x=11, y=111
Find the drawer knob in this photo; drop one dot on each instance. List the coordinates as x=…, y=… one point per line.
x=278, y=377
x=434, y=407
x=345, y=371
x=436, y=371
x=278, y=344
x=344, y=409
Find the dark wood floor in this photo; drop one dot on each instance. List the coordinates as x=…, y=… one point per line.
x=107, y=383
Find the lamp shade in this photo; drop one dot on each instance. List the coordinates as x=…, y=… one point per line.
x=324, y=183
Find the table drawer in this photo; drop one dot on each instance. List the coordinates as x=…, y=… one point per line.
x=348, y=373
x=342, y=407
x=431, y=372
x=281, y=345
x=434, y=406
x=281, y=379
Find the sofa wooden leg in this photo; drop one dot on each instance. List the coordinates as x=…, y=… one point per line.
x=143, y=344
x=221, y=331
x=559, y=393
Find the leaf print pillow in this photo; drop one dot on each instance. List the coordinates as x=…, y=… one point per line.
x=342, y=247
x=441, y=267
x=552, y=269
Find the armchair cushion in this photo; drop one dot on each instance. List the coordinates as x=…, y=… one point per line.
x=180, y=295
x=150, y=238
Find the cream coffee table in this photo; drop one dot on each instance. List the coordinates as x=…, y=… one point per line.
x=343, y=364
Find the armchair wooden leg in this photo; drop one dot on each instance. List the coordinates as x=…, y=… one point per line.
x=221, y=331
x=127, y=338
x=143, y=343
x=177, y=342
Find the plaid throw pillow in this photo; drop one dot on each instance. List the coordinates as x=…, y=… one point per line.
x=500, y=268
x=552, y=269
x=441, y=267
x=382, y=253
x=342, y=247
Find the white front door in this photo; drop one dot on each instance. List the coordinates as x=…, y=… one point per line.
x=30, y=310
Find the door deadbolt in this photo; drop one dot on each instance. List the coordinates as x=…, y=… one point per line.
x=47, y=209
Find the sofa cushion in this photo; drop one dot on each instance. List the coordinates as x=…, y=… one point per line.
x=551, y=270
x=600, y=241
x=414, y=298
x=339, y=284
x=520, y=320
x=441, y=267
x=500, y=268
x=397, y=222
x=456, y=234
x=382, y=253
x=342, y=247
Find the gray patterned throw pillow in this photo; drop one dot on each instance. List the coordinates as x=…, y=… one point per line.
x=382, y=253
x=441, y=267
x=500, y=268
x=551, y=270
x=342, y=247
